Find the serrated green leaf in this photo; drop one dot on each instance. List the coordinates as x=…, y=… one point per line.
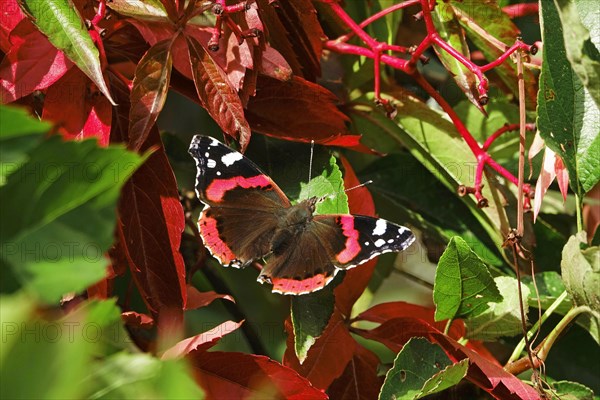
x=502, y=318
x=330, y=184
x=311, y=312
x=581, y=41
x=463, y=285
x=566, y=390
x=19, y=133
x=567, y=114
x=59, y=214
x=60, y=21
x=421, y=368
x=580, y=268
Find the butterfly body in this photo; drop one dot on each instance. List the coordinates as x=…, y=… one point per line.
x=247, y=217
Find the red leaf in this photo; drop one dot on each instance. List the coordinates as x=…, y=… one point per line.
x=216, y=94
x=489, y=376
x=201, y=342
x=384, y=312
x=328, y=357
x=32, y=63
x=280, y=109
x=150, y=87
x=359, y=380
x=137, y=320
x=10, y=16
x=356, y=280
x=78, y=113
x=196, y=299
x=241, y=376
x=150, y=227
x=273, y=65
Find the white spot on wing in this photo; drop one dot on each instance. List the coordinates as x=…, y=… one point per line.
x=230, y=158
x=210, y=163
x=379, y=242
x=218, y=173
x=380, y=227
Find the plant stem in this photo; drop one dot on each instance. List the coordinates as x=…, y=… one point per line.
x=549, y=311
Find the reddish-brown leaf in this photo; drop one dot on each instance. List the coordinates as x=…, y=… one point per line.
x=489, y=376
x=328, y=357
x=197, y=299
x=294, y=30
x=202, y=341
x=150, y=87
x=137, y=320
x=32, y=63
x=151, y=221
x=78, y=112
x=217, y=96
x=359, y=380
x=229, y=375
x=356, y=280
x=232, y=57
x=295, y=110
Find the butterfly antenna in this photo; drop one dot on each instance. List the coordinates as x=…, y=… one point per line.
x=312, y=151
x=333, y=195
x=357, y=186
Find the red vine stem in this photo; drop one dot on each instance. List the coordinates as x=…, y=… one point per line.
x=375, y=50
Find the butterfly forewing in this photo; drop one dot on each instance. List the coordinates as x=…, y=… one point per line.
x=245, y=205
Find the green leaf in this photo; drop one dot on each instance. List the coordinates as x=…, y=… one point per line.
x=330, y=184
x=56, y=354
x=59, y=214
x=566, y=390
x=141, y=376
x=311, y=312
x=310, y=315
x=463, y=285
x=60, y=21
x=421, y=368
x=148, y=10
x=549, y=286
x=500, y=319
x=492, y=31
x=581, y=29
x=581, y=271
x=452, y=33
x=19, y=134
x=567, y=114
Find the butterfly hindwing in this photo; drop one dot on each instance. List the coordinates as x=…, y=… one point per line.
x=244, y=204
x=328, y=244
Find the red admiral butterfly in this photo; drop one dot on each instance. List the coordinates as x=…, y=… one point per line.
x=248, y=217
